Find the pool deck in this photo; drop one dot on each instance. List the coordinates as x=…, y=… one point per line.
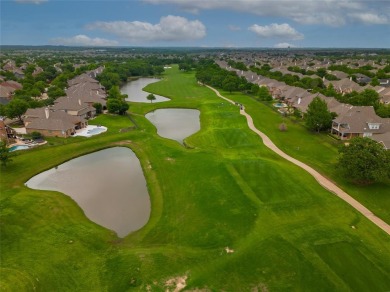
x=84, y=131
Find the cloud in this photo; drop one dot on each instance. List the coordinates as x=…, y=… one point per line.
x=234, y=28
x=30, y=1
x=370, y=18
x=170, y=28
x=284, y=46
x=275, y=30
x=329, y=12
x=83, y=40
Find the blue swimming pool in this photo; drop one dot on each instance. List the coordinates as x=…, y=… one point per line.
x=280, y=104
x=18, y=147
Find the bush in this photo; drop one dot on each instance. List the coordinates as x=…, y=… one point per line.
x=36, y=135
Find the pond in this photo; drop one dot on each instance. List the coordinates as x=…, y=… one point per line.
x=108, y=185
x=175, y=124
x=135, y=93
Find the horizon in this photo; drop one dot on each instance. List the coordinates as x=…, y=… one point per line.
x=294, y=24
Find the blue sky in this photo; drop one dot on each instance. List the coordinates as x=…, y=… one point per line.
x=200, y=23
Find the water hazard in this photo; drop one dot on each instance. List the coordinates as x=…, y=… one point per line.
x=175, y=124
x=135, y=93
x=108, y=185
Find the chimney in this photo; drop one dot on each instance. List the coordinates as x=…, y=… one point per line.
x=47, y=112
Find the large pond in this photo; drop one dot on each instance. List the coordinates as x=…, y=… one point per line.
x=135, y=93
x=108, y=185
x=175, y=124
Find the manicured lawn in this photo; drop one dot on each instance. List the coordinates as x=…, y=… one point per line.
x=226, y=191
x=318, y=150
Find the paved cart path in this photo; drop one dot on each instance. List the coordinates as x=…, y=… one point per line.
x=323, y=181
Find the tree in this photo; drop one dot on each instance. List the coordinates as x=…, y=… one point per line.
x=318, y=117
x=230, y=83
x=374, y=81
x=16, y=108
x=364, y=161
x=117, y=106
x=264, y=94
x=151, y=97
x=5, y=154
x=98, y=106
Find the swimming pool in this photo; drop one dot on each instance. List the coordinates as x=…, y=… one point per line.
x=279, y=104
x=96, y=131
x=18, y=147
x=90, y=130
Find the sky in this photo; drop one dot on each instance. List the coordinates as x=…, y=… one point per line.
x=197, y=23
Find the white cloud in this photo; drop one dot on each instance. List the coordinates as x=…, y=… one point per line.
x=83, y=40
x=170, y=28
x=275, y=30
x=234, y=27
x=370, y=18
x=30, y=1
x=284, y=46
x=329, y=12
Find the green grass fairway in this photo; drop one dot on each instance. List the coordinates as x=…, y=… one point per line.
x=227, y=214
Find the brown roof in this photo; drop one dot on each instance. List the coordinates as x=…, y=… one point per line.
x=50, y=124
x=39, y=114
x=357, y=118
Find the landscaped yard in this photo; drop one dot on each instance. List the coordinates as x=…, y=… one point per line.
x=227, y=213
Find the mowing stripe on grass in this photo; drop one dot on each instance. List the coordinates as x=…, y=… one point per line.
x=327, y=184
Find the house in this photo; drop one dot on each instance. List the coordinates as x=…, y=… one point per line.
x=52, y=123
x=383, y=139
x=74, y=107
x=345, y=85
x=7, y=88
x=384, y=82
x=359, y=121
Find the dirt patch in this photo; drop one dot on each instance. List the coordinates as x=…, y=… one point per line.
x=228, y=250
x=177, y=284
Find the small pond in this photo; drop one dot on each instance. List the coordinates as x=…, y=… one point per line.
x=108, y=185
x=135, y=93
x=175, y=124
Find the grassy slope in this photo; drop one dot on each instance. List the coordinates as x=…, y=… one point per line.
x=228, y=190
x=317, y=150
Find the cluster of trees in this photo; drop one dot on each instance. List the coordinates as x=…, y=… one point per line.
x=116, y=101
x=313, y=84
x=210, y=73
x=116, y=73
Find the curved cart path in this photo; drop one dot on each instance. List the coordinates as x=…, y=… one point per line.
x=323, y=181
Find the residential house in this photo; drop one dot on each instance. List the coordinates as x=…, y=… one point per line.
x=345, y=85
x=52, y=123
x=74, y=107
x=359, y=121
x=7, y=88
